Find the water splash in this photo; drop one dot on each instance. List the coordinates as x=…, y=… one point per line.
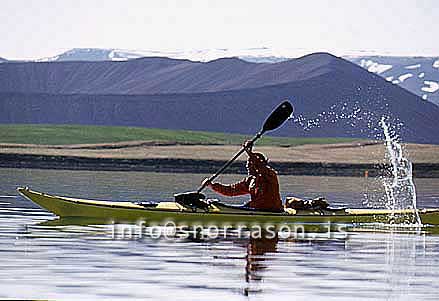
x=353, y=116
x=356, y=119
x=399, y=186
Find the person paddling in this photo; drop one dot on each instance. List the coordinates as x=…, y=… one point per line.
x=262, y=183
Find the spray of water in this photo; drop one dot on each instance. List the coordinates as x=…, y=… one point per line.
x=352, y=115
x=399, y=186
x=400, y=192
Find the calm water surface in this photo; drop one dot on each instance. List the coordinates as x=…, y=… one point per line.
x=83, y=262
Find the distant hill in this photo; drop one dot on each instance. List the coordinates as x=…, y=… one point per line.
x=419, y=75
x=2, y=60
x=93, y=54
x=260, y=54
x=332, y=97
x=157, y=75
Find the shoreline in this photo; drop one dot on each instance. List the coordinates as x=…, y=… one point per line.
x=184, y=165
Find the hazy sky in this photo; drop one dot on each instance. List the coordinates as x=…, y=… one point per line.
x=34, y=29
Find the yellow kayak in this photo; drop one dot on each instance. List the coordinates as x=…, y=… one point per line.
x=218, y=214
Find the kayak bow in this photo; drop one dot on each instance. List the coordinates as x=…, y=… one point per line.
x=218, y=214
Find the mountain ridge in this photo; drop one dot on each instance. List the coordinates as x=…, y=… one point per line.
x=157, y=75
x=425, y=83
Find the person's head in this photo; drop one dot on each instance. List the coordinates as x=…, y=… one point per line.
x=253, y=163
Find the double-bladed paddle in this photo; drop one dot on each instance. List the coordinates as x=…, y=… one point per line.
x=275, y=120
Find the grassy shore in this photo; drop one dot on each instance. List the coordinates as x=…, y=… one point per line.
x=81, y=134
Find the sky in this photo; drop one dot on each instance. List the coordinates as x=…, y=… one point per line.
x=35, y=29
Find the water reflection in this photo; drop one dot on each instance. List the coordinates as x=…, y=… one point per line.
x=257, y=249
x=264, y=264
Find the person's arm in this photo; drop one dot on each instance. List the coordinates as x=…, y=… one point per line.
x=239, y=188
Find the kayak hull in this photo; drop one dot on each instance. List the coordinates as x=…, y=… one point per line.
x=131, y=212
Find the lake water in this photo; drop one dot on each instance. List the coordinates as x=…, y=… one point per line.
x=73, y=262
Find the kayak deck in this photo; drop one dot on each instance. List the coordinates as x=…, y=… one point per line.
x=221, y=215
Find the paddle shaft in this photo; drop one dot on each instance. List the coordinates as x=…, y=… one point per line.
x=213, y=177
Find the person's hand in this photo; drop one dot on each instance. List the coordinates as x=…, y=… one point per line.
x=206, y=182
x=248, y=145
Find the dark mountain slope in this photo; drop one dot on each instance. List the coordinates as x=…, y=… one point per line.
x=162, y=75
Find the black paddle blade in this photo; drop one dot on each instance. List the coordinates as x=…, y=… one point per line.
x=192, y=199
x=191, y=196
x=278, y=116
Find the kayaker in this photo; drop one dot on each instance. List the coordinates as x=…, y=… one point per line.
x=262, y=183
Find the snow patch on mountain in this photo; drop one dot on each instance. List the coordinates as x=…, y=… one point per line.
x=430, y=86
x=403, y=77
x=424, y=69
x=374, y=67
x=413, y=66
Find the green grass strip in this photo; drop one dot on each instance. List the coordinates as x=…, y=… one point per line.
x=84, y=134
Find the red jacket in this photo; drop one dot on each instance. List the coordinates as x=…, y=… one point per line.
x=263, y=189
